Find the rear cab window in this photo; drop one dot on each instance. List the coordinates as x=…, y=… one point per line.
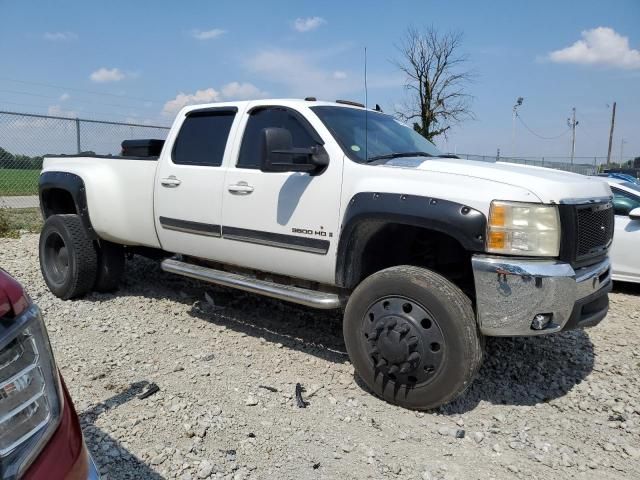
x=203, y=137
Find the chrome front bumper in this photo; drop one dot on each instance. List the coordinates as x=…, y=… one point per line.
x=510, y=292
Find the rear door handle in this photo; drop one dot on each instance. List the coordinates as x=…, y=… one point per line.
x=170, y=182
x=240, y=188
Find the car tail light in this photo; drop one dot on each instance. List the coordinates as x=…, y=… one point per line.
x=30, y=395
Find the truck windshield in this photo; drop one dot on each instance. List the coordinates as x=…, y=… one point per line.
x=383, y=138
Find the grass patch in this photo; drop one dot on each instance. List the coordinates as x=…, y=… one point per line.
x=14, y=181
x=14, y=220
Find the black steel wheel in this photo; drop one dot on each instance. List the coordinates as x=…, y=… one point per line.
x=412, y=337
x=68, y=259
x=404, y=341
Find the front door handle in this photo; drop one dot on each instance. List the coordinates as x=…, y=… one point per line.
x=240, y=188
x=170, y=182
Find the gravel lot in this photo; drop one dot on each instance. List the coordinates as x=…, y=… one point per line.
x=564, y=406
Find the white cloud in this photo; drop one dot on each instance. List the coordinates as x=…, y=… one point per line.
x=58, y=111
x=308, y=24
x=64, y=97
x=241, y=91
x=300, y=74
x=103, y=75
x=599, y=46
x=229, y=91
x=339, y=75
x=183, y=99
x=59, y=36
x=207, y=34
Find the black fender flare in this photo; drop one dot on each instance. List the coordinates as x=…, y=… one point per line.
x=74, y=185
x=367, y=212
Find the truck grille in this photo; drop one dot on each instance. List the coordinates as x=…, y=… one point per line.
x=587, y=232
x=595, y=229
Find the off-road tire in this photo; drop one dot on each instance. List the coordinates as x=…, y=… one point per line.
x=68, y=258
x=379, y=335
x=110, y=266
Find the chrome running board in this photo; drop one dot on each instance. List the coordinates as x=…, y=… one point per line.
x=303, y=296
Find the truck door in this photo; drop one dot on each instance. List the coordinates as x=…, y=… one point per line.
x=189, y=182
x=282, y=222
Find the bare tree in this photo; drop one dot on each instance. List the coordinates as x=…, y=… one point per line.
x=435, y=81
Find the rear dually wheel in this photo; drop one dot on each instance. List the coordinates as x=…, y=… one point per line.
x=68, y=257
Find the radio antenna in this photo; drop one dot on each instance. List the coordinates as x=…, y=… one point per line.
x=366, y=110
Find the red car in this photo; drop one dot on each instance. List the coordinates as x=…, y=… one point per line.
x=40, y=435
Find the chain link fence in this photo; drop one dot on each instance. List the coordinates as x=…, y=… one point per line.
x=581, y=165
x=26, y=138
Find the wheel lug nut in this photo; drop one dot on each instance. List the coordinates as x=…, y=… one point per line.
x=413, y=357
x=391, y=323
x=405, y=367
x=381, y=363
x=393, y=369
x=403, y=329
x=412, y=342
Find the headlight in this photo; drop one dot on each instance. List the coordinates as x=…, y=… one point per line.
x=530, y=229
x=30, y=399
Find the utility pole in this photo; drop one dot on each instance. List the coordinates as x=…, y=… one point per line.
x=613, y=121
x=519, y=101
x=573, y=124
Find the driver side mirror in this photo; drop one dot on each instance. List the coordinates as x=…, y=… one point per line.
x=279, y=154
x=635, y=214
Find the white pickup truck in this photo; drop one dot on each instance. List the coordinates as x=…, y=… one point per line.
x=331, y=205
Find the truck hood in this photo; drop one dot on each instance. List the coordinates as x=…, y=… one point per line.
x=550, y=186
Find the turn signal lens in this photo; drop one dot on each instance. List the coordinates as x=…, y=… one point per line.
x=496, y=240
x=498, y=215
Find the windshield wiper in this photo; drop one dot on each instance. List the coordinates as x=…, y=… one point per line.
x=398, y=155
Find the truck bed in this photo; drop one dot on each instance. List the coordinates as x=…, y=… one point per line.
x=120, y=200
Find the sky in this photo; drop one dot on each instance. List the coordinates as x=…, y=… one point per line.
x=142, y=61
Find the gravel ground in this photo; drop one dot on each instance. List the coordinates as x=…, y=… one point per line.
x=226, y=363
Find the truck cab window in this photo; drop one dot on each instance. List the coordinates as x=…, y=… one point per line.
x=202, y=139
x=260, y=119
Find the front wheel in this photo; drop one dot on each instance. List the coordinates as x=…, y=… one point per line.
x=412, y=337
x=68, y=258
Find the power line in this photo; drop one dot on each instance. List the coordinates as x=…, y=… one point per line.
x=94, y=113
x=73, y=100
x=50, y=85
x=538, y=135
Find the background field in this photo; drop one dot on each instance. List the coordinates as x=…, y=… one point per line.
x=18, y=182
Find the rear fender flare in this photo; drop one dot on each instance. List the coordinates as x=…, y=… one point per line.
x=74, y=185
